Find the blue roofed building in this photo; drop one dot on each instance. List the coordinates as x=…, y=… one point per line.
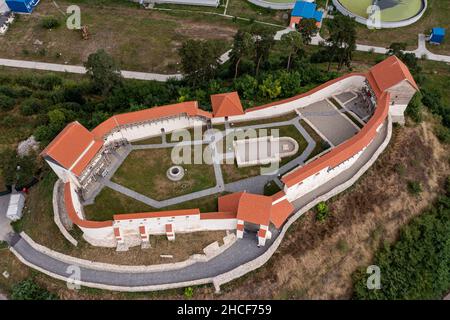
x=22, y=6
x=305, y=10
x=437, y=35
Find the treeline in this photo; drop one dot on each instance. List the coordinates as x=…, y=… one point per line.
x=417, y=265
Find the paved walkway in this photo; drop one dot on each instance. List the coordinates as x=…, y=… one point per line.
x=419, y=52
x=241, y=252
x=82, y=70
x=252, y=184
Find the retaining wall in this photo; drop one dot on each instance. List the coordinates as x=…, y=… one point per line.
x=272, y=5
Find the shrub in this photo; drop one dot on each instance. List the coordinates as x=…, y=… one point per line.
x=400, y=169
x=416, y=266
x=322, y=211
x=188, y=292
x=50, y=22
x=29, y=290
x=414, y=187
x=443, y=134
x=342, y=246
x=31, y=106
x=6, y=103
x=414, y=109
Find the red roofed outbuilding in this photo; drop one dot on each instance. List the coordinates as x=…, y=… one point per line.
x=226, y=104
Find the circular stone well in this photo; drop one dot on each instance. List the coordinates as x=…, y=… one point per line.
x=175, y=173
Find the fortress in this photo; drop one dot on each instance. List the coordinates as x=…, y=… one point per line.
x=81, y=157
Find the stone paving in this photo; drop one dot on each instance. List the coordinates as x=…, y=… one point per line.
x=252, y=184
x=336, y=127
x=239, y=253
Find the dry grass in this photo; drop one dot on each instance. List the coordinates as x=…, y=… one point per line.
x=309, y=263
x=143, y=40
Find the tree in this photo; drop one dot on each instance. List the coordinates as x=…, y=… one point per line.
x=263, y=40
x=199, y=60
x=103, y=71
x=270, y=87
x=246, y=86
x=243, y=46
x=292, y=42
x=307, y=28
x=341, y=41
x=398, y=49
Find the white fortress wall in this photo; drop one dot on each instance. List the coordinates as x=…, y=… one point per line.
x=318, y=179
x=354, y=82
x=62, y=173
x=187, y=223
x=145, y=130
x=103, y=237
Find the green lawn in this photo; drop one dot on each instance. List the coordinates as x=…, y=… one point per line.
x=144, y=171
x=110, y=202
x=152, y=140
x=321, y=145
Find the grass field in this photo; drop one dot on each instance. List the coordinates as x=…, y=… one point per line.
x=143, y=40
x=144, y=171
x=110, y=202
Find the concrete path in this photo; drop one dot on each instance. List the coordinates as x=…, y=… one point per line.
x=252, y=184
x=5, y=226
x=241, y=252
x=419, y=52
x=82, y=70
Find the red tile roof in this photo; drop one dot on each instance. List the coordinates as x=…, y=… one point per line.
x=345, y=150
x=73, y=216
x=226, y=104
x=189, y=108
x=70, y=144
x=280, y=212
x=262, y=233
x=218, y=215
x=229, y=202
x=87, y=157
x=388, y=73
x=254, y=208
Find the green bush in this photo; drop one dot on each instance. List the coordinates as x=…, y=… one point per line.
x=414, y=188
x=188, y=292
x=6, y=103
x=417, y=265
x=414, y=109
x=322, y=211
x=50, y=22
x=29, y=290
x=31, y=106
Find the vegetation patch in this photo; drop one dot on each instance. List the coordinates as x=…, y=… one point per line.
x=416, y=266
x=144, y=171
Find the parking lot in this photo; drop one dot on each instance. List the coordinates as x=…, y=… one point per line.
x=331, y=123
